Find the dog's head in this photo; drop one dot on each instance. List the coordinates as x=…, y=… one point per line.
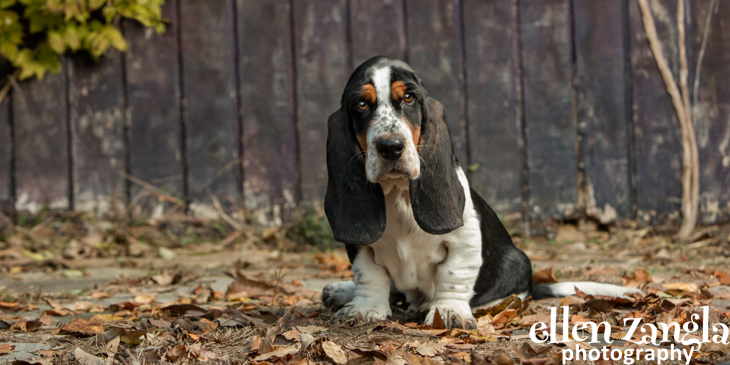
x=388, y=128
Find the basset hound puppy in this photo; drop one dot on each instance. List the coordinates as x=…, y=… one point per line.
x=400, y=202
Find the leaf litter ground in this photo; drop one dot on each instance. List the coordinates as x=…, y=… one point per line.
x=107, y=292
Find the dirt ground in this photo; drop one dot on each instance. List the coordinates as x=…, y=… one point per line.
x=78, y=289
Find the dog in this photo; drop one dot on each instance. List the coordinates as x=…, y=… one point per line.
x=400, y=202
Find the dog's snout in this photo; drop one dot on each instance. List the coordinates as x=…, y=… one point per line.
x=391, y=149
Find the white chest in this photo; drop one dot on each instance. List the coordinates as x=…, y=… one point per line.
x=409, y=254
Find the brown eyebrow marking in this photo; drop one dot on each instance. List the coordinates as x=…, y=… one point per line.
x=368, y=93
x=397, y=90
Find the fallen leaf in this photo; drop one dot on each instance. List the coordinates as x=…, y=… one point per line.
x=85, y=358
x=100, y=295
x=45, y=319
x=84, y=327
x=598, y=305
x=133, y=338
x=50, y=353
x=112, y=347
x=544, y=276
x=176, y=353
x=438, y=324
x=639, y=279
x=163, y=279
x=722, y=277
x=279, y=353
x=500, y=357
x=144, y=299
x=334, y=352
x=332, y=262
x=685, y=287
x=431, y=349
x=311, y=329
x=9, y=305
x=528, y=321
x=511, y=302
x=504, y=317
x=5, y=348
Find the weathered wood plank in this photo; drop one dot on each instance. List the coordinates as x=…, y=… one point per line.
x=656, y=129
x=153, y=101
x=211, y=119
x=377, y=29
x=97, y=125
x=603, y=109
x=6, y=144
x=712, y=111
x=321, y=73
x=494, y=130
x=269, y=125
x=41, y=144
x=435, y=53
x=548, y=98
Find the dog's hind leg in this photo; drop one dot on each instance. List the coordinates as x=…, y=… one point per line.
x=336, y=295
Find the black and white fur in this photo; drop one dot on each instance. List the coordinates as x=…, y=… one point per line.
x=413, y=222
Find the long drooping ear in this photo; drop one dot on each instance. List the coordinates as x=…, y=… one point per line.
x=437, y=196
x=354, y=206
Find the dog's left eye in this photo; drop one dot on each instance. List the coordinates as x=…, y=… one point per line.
x=408, y=98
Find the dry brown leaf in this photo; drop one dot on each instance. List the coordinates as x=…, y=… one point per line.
x=544, y=276
x=85, y=358
x=334, y=352
x=722, y=277
x=144, y=298
x=100, y=295
x=685, y=287
x=163, y=279
x=50, y=353
x=311, y=329
x=332, y=262
x=279, y=353
x=528, y=321
x=431, y=349
x=639, y=279
x=6, y=348
x=438, y=324
x=500, y=357
x=84, y=327
x=113, y=346
x=176, y=353
x=9, y=305
x=504, y=317
x=45, y=319
x=256, y=343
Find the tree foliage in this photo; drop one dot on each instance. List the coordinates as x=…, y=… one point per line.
x=35, y=33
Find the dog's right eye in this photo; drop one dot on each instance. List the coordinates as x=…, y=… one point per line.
x=362, y=106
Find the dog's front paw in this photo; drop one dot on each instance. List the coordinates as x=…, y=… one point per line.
x=454, y=314
x=337, y=294
x=364, y=310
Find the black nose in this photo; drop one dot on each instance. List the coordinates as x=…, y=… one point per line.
x=390, y=149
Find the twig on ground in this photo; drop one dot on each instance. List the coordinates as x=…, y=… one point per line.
x=223, y=215
x=151, y=188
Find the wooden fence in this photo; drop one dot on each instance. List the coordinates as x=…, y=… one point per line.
x=556, y=106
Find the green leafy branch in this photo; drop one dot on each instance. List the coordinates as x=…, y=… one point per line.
x=35, y=33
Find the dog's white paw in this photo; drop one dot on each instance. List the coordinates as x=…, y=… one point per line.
x=364, y=309
x=454, y=314
x=336, y=295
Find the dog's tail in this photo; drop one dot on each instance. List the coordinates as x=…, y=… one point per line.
x=559, y=290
